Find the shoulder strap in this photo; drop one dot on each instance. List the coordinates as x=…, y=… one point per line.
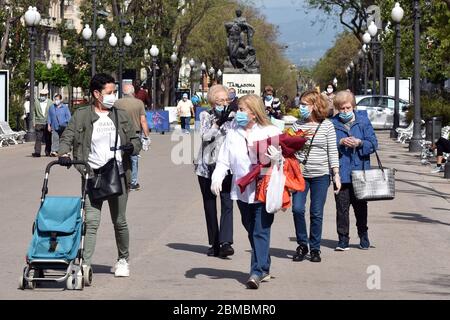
x=117, y=130
x=311, y=144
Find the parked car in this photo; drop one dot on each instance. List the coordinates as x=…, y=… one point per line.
x=381, y=110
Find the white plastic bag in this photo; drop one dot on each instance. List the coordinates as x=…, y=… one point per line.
x=146, y=143
x=275, y=188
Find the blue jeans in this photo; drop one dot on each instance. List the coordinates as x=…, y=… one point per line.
x=257, y=222
x=187, y=123
x=134, y=169
x=319, y=187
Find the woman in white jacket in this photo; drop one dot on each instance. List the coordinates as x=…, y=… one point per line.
x=236, y=154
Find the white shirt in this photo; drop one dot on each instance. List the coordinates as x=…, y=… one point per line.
x=43, y=105
x=26, y=106
x=238, y=155
x=184, y=108
x=103, y=138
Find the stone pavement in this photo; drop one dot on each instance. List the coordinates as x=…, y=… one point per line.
x=410, y=236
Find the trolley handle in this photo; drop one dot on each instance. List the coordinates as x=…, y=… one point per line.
x=56, y=162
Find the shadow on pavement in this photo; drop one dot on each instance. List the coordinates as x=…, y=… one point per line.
x=188, y=247
x=282, y=253
x=100, y=268
x=441, y=281
x=239, y=276
x=415, y=217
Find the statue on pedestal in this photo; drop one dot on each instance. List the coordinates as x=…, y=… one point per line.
x=241, y=55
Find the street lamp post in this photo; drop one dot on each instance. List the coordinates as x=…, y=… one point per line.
x=347, y=73
x=154, y=51
x=219, y=76
x=381, y=66
x=32, y=19
x=174, y=59
x=100, y=34
x=203, y=68
x=414, y=144
x=372, y=29
x=366, y=40
x=212, y=72
x=397, y=16
x=125, y=42
x=49, y=85
x=192, y=64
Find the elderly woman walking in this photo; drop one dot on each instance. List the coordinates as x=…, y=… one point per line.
x=215, y=124
x=237, y=155
x=356, y=141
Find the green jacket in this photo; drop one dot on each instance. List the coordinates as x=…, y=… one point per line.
x=78, y=136
x=39, y=117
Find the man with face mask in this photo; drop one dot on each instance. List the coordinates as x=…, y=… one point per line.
x=329, y=95
x=185, y=109
x=91, y=134
x=232, y=100
x=40, y=124
x=58, y=118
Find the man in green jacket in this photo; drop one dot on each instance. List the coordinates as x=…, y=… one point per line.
x=91, y=134
x=41, y=108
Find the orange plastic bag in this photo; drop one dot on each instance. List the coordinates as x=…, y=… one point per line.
x=294, y=182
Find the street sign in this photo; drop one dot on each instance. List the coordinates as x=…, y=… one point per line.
x=4, y=95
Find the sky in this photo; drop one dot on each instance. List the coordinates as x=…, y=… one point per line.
x=307, y=38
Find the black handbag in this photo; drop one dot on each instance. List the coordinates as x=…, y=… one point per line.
x=106, y=183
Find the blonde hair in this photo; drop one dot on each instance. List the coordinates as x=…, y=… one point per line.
x=343, y=97
x=213, y=90
x=316, y=99
x=256, y=106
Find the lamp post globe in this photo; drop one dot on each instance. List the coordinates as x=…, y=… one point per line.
x=366, y=37
x=351, y=66
x=49, y=65
x=173, y=57
x=192, y=62
x=87, y=32
x=101, y=32
x=112, y=40
x=335, y=81
x=397, y=13
x=37, y=17
x=372, y=29
x=219, y=73
x=211, y=71
x=127, y=40
x=29, y=16
x=203, y=66
x=154, y=51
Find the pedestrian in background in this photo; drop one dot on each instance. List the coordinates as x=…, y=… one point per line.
x=185, y=109
x=91, y=135
x=142, y=94
x=232, y=100
x=329, y=95
x=356, y=141
x=318, y=158
x=215, y=124
x=58, y=119
x=237, y=155
x=136, y=111
x=40, y=124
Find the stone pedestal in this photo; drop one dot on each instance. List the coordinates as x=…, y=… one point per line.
x=243, y=83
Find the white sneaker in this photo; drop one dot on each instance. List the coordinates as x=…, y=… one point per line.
x=121, y=268
x=438, y=169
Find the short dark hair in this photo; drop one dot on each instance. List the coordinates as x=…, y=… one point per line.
x=57, y=95
x=99, y=81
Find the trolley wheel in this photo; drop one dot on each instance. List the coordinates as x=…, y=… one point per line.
x=70, y=282
x=87, y=275
x=22, y=283
x=31, y=285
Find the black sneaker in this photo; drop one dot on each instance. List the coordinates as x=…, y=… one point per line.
x=364, y=242
x=315, y=256
x=226, y=250
x=135, y=187
x=253, y=282
x=35, y=155
x=213, y=251
x=301, y=252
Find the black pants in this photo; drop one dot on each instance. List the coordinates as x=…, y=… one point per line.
x=42, y=136
x=344, y=199
x=442, y=145
x=223, y=234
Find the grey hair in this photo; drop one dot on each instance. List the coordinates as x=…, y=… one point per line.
x=128, y=90
x=213, y=91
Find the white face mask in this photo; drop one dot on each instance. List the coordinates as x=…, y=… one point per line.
x=330, y=90
x=108, y=100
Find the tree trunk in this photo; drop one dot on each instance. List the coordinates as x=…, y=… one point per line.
x=4, y=42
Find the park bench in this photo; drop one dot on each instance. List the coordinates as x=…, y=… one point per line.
x=7, y=135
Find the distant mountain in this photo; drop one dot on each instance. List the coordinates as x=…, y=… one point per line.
x=307, y=42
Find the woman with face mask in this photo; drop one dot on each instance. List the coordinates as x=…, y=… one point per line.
x=214, y=125
x=356, y=141
x=58, y=118
x=329, y=95
x=91, y=136
x=319, y=158
x=236, y=154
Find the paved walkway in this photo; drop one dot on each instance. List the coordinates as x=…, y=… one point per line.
x=410, y=235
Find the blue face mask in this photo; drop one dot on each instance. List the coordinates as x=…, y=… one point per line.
x=219, y=108
x=268, y=97
x=346, y=116
x=241, y=118
x=304, y=111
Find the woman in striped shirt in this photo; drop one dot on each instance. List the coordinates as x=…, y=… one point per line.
x=318, y=158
